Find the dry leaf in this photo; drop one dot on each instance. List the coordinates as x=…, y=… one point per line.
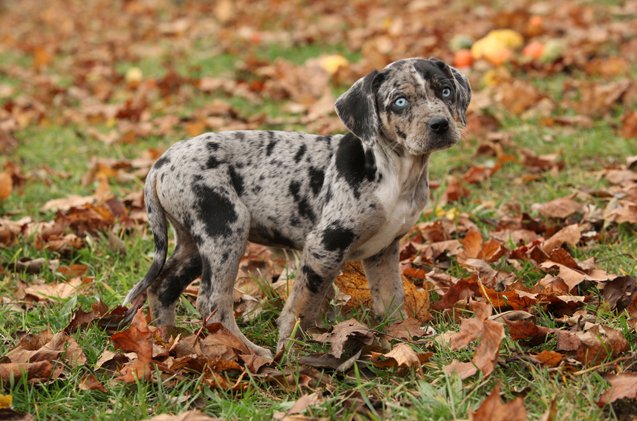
x=622, y=386
x=6, y=185
x=401, y=356
x=560, y=208
x=493, y=409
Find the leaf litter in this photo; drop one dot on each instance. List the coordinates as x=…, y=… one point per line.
x=116, y=108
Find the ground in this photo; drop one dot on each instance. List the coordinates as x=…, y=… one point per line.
x=544, y=180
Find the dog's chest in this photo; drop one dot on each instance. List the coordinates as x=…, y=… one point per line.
x=401, y=210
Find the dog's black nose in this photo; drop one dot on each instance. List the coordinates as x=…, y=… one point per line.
x=439, y=124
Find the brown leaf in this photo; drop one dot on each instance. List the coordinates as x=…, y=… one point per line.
x=352, y=282
x=462, y=369
x=345, y=336
x=561, y=208
x=53, y=291
x=90, y=382
x=138, y=338
x=6, y=185
x=39, y=370
x=301, y=404
x=629, y=125
x=47, y=347
x=622, y=386
x=462, y=290
x=455, y=191
x=401, y=356
x=407, y=329
x=570, y=234
x=549, y=358
x=82, y=318
x=493, y=409
x=193, y=415
x=620, y=291
x=489, y=348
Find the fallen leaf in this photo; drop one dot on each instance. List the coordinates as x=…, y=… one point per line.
x=622, y=386
x=39, y=370
x=138, y=338
x=548, y=358
x=401, y=356
x=560, y=208
x=193, y=415
x=6, y=185
x=346, y=335
x=493, y=409
x=407, y=329
x=301, y=404
x=90, y=382
x=60, y=290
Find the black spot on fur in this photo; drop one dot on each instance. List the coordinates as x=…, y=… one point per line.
x=300, y=153
x=353, y=164
x=324, y=139
x=161, y=162
x=400, y=133
x=271, y=143
x=237, y=181
x=295, y=188
x=305, y=210
x=175, y=282
x=212, y=146
x=337, y=238
x=240, y=135
x=212, y=162
x=215, y=210
x=314, y=280
x=317, y=177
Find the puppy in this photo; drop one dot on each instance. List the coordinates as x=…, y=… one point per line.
x=334, y=198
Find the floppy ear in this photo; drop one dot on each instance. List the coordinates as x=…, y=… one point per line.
x=357, y=107
x=463, y=94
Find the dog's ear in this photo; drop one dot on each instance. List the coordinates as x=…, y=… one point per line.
x=463, y=94
x=461, y=86
x=357, y=107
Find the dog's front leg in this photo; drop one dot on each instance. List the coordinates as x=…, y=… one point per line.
x=383, y=273
x=319, y=266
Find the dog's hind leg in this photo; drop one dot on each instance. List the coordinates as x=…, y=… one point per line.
x=221, y=241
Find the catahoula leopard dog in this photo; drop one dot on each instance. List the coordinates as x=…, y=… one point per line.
x=334, y=198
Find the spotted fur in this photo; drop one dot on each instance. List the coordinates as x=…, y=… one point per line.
x=334, y=198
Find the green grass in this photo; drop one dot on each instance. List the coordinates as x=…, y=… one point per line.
x=66, y=150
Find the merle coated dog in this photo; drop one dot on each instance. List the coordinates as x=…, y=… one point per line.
x=335, y=198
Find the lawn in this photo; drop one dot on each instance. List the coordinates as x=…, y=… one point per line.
x=92, y=92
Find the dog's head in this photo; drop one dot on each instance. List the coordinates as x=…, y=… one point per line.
x=414, y=103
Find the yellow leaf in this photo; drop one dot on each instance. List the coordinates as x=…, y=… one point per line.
x=332, y=63
x=6, y=401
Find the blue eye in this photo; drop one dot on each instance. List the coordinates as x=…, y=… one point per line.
x=401, y=103
x=446, y=93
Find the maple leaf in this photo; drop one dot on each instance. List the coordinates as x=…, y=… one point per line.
x=138, y=338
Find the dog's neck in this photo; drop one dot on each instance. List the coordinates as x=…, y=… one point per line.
x=411, y=171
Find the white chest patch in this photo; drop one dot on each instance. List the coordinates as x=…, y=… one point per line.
x=400, y=210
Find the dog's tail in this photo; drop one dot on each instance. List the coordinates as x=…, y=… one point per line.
x=159, y=227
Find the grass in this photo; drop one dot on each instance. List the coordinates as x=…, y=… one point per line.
x=60, y=154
